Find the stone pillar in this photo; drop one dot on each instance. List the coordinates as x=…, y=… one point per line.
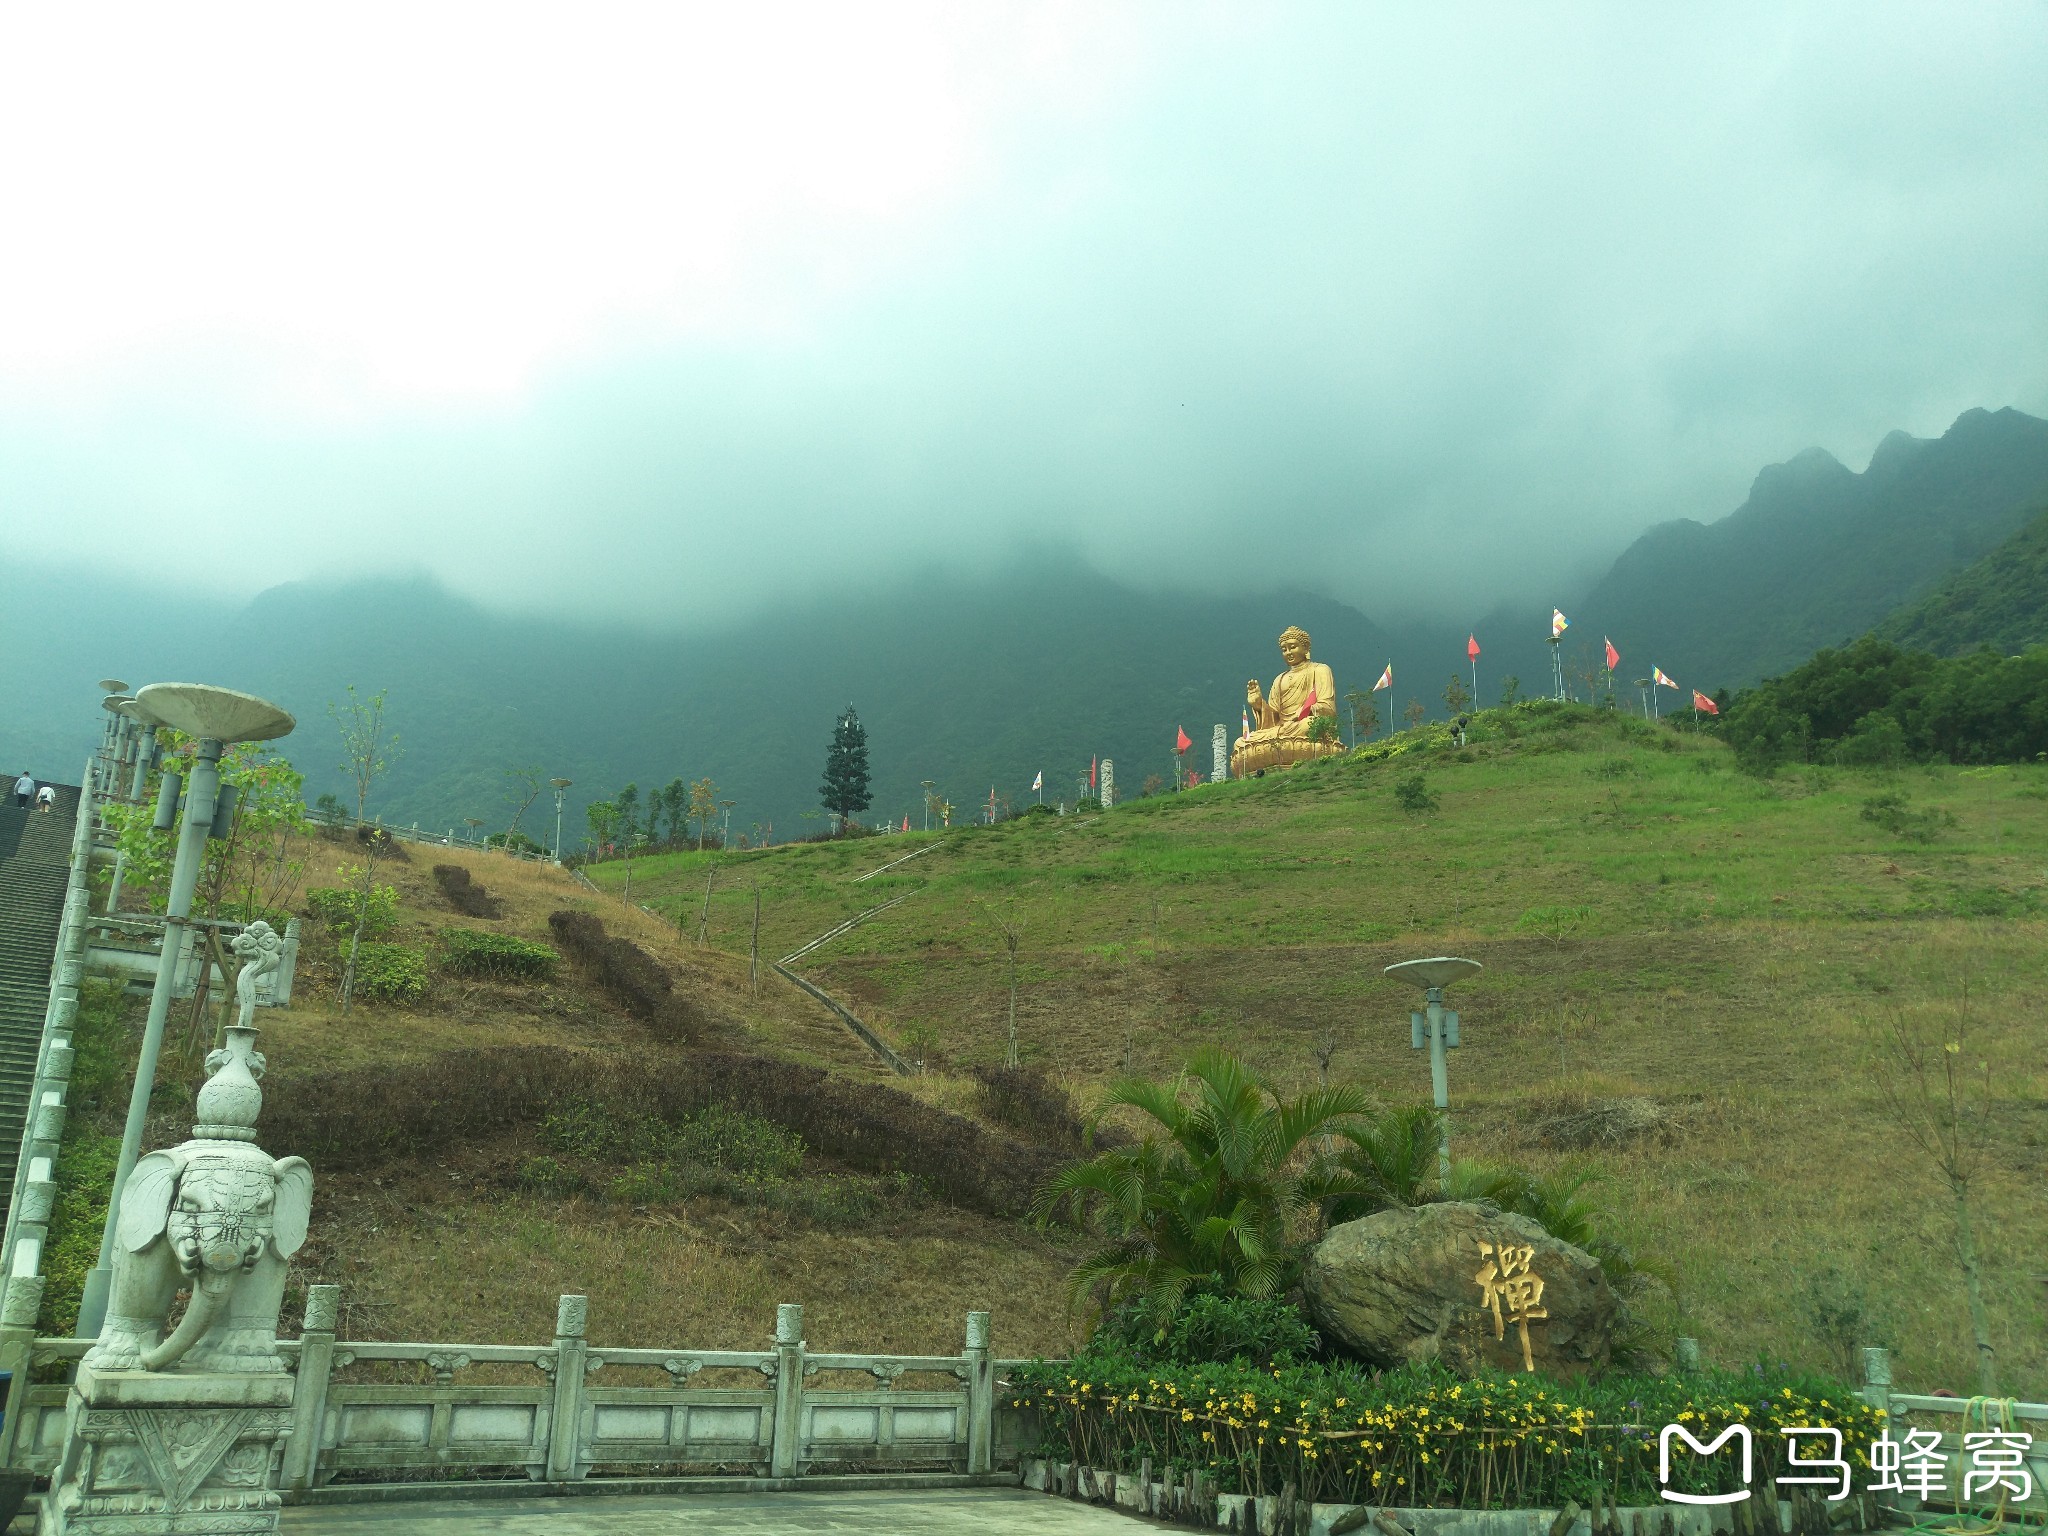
x=24, y=1302
x=572, y=1315
x=281, y=979
x=785, y=1453
x=309, y=1398
x=981, y=1396
x=1108, y=783
x=1219, y=749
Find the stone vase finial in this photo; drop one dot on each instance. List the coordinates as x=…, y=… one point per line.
x=232, y=1098
x=263, y=952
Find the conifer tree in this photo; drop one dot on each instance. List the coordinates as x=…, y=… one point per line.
x=845, y=790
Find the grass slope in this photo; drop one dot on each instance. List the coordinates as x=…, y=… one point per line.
x=1694, y=967
x=460, y=1245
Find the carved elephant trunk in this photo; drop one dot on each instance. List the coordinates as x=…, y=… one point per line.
x=209, y=1290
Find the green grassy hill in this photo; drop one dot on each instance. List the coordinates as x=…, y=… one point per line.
x=1691, y=975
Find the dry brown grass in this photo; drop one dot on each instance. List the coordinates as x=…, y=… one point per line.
x=452, y=1251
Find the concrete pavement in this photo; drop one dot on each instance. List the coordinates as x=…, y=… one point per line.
x=939, y=1512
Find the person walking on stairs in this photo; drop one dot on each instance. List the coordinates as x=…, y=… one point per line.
x=23, y=788
x=46, y=799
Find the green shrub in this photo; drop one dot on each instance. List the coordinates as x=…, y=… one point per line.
x=390, y=973
x=1263, y=1331
x=732, y=1139
x=497, y=955
x=1556, y=922
x=1897, y=816
x=339, y=907
x=1412, y=794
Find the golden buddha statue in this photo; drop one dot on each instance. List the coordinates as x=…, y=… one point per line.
x=1281, y=725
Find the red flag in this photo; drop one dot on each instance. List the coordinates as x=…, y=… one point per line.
x=1091, y=773
x=906, y=823
x=1613, y=656
x=1703, y=704
x=1181, y=742
x=1472, y=648
x=1309, y=708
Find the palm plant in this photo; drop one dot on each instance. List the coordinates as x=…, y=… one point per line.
x=1212, y=1196
x=1384, y=1163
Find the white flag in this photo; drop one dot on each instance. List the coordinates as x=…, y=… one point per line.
x=1038, y=781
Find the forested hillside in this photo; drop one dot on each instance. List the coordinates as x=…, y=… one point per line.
x=2001, y=601
x=1819, y=554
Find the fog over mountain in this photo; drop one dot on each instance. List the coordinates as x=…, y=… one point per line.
x=685, y=316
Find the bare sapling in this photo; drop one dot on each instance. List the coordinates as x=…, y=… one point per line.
x=1942, y=1099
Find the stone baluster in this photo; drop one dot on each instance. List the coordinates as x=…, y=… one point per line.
x=565, y=1429
x=981, y=1396
x=785, y=1452
x=1108, y=783
x=309, y=1393
x=1219, y=753
x=18, y=1312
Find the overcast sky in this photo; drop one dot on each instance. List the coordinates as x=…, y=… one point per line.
x=656, y=312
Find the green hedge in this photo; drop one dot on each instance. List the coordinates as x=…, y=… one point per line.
x=470, y=953
x=1423, y=1437
x=390, y=973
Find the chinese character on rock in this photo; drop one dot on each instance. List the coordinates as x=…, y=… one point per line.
x=1511, y=1292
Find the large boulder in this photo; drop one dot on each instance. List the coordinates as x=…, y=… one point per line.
x=1423, y=1284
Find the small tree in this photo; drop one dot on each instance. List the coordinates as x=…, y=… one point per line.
x=525, y=784
x=628, y=802
x=603, y=817
x=1013, y=936
x=367, y=744
x=1510, y=690
x=1457, y=696
x=1413, y=712
x=1365, y=714
x=703, y=806
x=1942, y=1100
x=675, y=803
x=845, y=790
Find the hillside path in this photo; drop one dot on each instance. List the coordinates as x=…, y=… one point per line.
x=35, y=866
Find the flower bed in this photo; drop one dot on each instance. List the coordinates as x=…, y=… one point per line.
x=1425, y=1438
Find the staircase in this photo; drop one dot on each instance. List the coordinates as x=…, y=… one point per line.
x=35, y=863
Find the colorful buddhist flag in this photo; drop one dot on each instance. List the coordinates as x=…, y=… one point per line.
x=1038, y=779
x=1613, y=656
x=1386, y=679
x=1246, y=715
x=1558, y=623
x=1703, y=704
x=1180, y=740
x=1657, y=676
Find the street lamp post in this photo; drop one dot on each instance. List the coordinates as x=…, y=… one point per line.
x=217, y=717
x=560, y=785
x=1437, y=1028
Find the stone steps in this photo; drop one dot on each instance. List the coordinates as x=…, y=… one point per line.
x=35, y=860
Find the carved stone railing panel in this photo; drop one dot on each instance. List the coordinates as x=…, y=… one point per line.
x=559, y=1425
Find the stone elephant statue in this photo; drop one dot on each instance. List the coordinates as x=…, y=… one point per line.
x=222, y=1218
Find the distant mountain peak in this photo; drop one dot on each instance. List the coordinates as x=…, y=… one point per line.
x=1804, y=471
x=1896, y=451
